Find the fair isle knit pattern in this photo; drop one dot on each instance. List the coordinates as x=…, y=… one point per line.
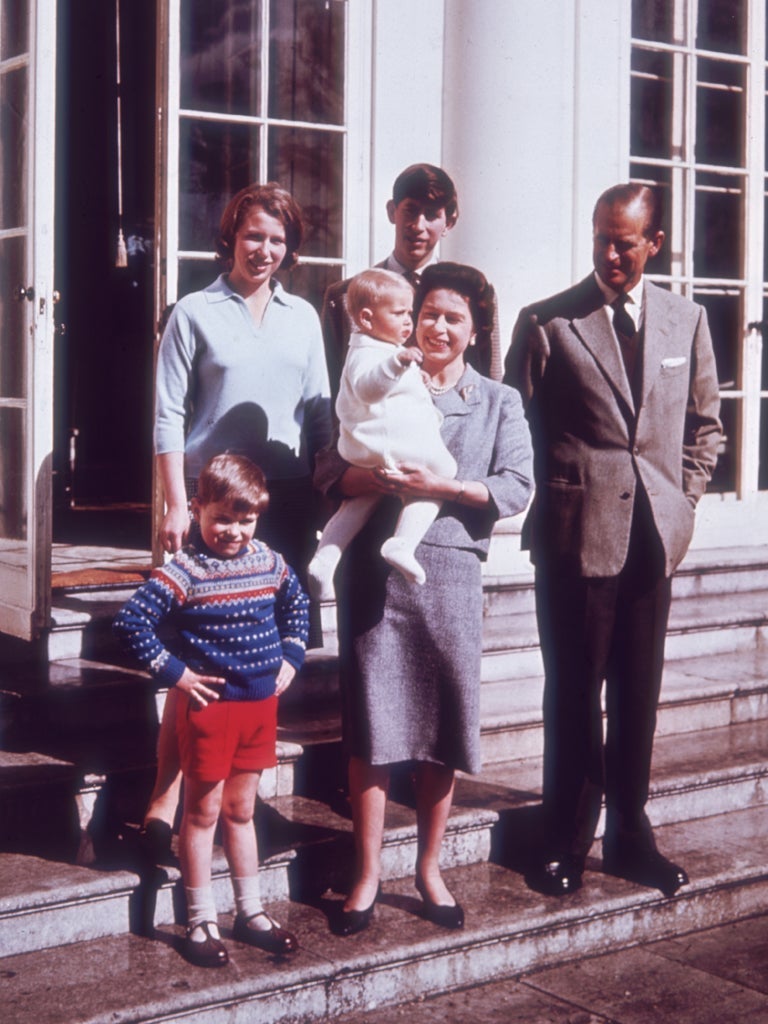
x=236, y=618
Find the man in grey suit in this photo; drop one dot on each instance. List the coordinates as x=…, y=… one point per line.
x=619, y=382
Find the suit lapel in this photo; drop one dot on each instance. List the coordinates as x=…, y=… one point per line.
x=598, y=337
x=658, y=324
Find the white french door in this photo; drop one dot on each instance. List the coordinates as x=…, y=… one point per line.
x=27, y=123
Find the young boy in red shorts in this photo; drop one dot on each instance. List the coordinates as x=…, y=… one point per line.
x=240, y=622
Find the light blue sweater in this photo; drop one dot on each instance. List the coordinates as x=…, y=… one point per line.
x=226, y=384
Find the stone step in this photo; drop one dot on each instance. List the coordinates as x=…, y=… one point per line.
x=307, y=843
x=697, y=693
x=509, y=930
x=305, y=847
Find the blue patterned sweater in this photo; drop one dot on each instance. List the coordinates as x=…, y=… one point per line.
x=237, y=618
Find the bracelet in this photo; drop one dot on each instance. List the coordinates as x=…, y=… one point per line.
x=459, y=496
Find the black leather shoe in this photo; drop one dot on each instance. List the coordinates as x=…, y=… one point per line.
x=273, y=939
x=350, y=922
x=155, y=841
x=211, y=952
x=555, y=877
x=644, y=866
x=440, y=913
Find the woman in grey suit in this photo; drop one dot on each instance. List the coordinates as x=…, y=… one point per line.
x=410, y=654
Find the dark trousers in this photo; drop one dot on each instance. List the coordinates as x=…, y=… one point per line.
x=595, y=630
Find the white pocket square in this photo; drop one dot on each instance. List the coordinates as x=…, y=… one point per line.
x=673, y=361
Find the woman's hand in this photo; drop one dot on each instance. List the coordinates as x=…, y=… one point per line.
x=357, y=481
x=199, y=687
x=411, y=480
x=285, y=677
x=175, y=528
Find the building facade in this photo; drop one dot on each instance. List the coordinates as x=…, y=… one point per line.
x=144, y=116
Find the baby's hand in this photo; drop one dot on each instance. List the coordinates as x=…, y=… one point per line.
x=405, y=356
x=199, y=687
x=284, y=677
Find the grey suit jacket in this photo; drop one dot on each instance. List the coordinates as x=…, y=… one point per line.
x=592, y=447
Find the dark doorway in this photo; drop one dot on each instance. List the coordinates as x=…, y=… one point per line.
x=103, y=360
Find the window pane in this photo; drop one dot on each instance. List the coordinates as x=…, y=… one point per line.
x=762, y=472
x=721, y=25
x=651, y=122
x=13, y=520
x=13, y=132
x=221, y=56
x=724, y=477
x=310, y=165
x=764, y=367
x=14, y=29
x=717, y=250
x=194, y=275
x=720, y=113
x=306, y=61
x=216, y=160
x=12, y=315
x=652, y=19
x=724, y=315
x=310, y=281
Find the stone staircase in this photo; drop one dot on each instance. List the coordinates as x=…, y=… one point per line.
x=88, y=930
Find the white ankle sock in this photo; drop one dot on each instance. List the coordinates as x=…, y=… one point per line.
x=201, y=907
x=248, y=902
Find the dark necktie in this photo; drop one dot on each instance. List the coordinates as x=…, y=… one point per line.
x=413, y=277
x=623, y=323
x=629, y=342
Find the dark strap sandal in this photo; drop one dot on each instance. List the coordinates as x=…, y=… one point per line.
x=273, y=939
x=211, y=952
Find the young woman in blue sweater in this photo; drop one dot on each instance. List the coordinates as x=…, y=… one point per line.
x=240, y=624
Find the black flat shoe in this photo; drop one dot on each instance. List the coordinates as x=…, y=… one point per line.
x=274, y=939
x=555, y=877
x=210, y=953
x=440, y=913
x=155, y=841
x=645, y=867
x=350, y=922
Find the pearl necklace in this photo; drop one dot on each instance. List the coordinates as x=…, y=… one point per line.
x=436, y=389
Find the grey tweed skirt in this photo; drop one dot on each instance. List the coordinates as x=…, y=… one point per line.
x=410, y=660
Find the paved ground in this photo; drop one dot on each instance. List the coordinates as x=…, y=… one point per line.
x=718, y=976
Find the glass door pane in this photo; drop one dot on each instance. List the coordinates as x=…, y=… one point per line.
x=26, y=297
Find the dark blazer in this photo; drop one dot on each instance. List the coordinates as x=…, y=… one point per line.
x=335, y=323
x=593, y=446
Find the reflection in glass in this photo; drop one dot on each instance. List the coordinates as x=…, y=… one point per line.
x=721, y=25
x=651, y=104
x=652, y=19
x=216, y=161
x=221, y=56
x=13, y=520
x=13, y=132
x=724, y=477
x=14, y=29
x=13, y=264
x=720, y=114
x=306, y=61
x=310, y=165
x=725, y=325
x=719, y=217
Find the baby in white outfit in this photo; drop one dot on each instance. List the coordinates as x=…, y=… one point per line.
x=386, y=416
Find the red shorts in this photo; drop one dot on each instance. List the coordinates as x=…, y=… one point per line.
x=226, y=736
